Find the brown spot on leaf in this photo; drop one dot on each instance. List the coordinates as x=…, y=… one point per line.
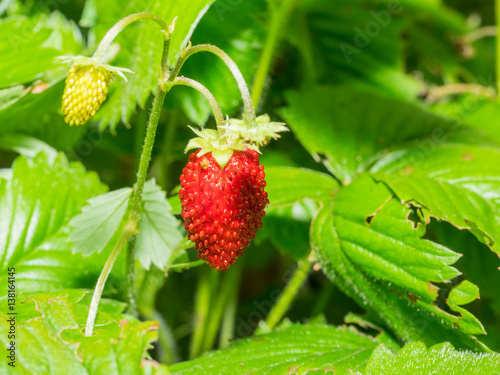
x=408, y=170
x=467, y=156
x=432, y=287
x=412, y=297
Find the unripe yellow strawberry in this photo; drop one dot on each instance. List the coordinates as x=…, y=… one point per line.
x=85, y=91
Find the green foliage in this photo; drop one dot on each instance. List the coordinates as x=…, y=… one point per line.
x=293, y=348
x=329, y=122
x=294, y=195
x=100, y=225
x=141, y=50
x=388, y=183
x=26, y=145
x=289, y=185
x=437, y=175
x=340, y=45
x=159, y=234
x=31, y=88
x=36, y=204
x=42, y=38
x=241, y=39
x=440, y=359
x=367, y=245
x=51, y=340
x=366, y=242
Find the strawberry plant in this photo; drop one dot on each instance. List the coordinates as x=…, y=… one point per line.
x=249, y=187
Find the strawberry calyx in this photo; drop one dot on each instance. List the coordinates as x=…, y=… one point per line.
x=259, y=131
x=84, y=60
x=219, y=143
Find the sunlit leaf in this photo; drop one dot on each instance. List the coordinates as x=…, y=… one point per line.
x=440, y=359
x=159, y=234
x=51, y=342
x=296, y=349
x=36, y=204
x=370, y=249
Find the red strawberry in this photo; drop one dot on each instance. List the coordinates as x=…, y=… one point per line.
x=222, y=207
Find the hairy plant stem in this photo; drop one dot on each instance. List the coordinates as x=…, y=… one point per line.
x=183, y=81
x=136, y=204
x=249, y=111
x=120, y=25
x=94, y=304
x=167, y=145
x=279, y=15
x=285, y=299
x=132, y=303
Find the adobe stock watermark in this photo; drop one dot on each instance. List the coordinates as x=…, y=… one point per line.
x=245, y=327
x=222, y=7
x=423, y=148
x=364, y=35
x=23, y=35
x=85, y=146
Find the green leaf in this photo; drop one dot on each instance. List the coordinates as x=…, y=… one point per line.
x=328, y=121
x=50, y=338
x=11, y=95
x=437, y=177
x=288, y=227
x=286, y=185
x=174, y=201
x=36, y=112
x=432, y=31
x=36, y=204
x=99, y=224
x=158, y=234
x=30, y=46
x=478, y=264
x=26, y=145
x=363, y=49
x=293, y=349
x=440, y=359
x=34, y=102
x=370, y=249
x=141, y=50
x=293, y=193
x=481, y=116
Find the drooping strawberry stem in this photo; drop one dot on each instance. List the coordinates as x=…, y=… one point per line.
x=183, y=81
x=122, y=24
x=249, y=110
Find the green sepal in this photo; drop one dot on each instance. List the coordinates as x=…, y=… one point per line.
x=84, y=60
x=259, y=132
x=218, y=143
